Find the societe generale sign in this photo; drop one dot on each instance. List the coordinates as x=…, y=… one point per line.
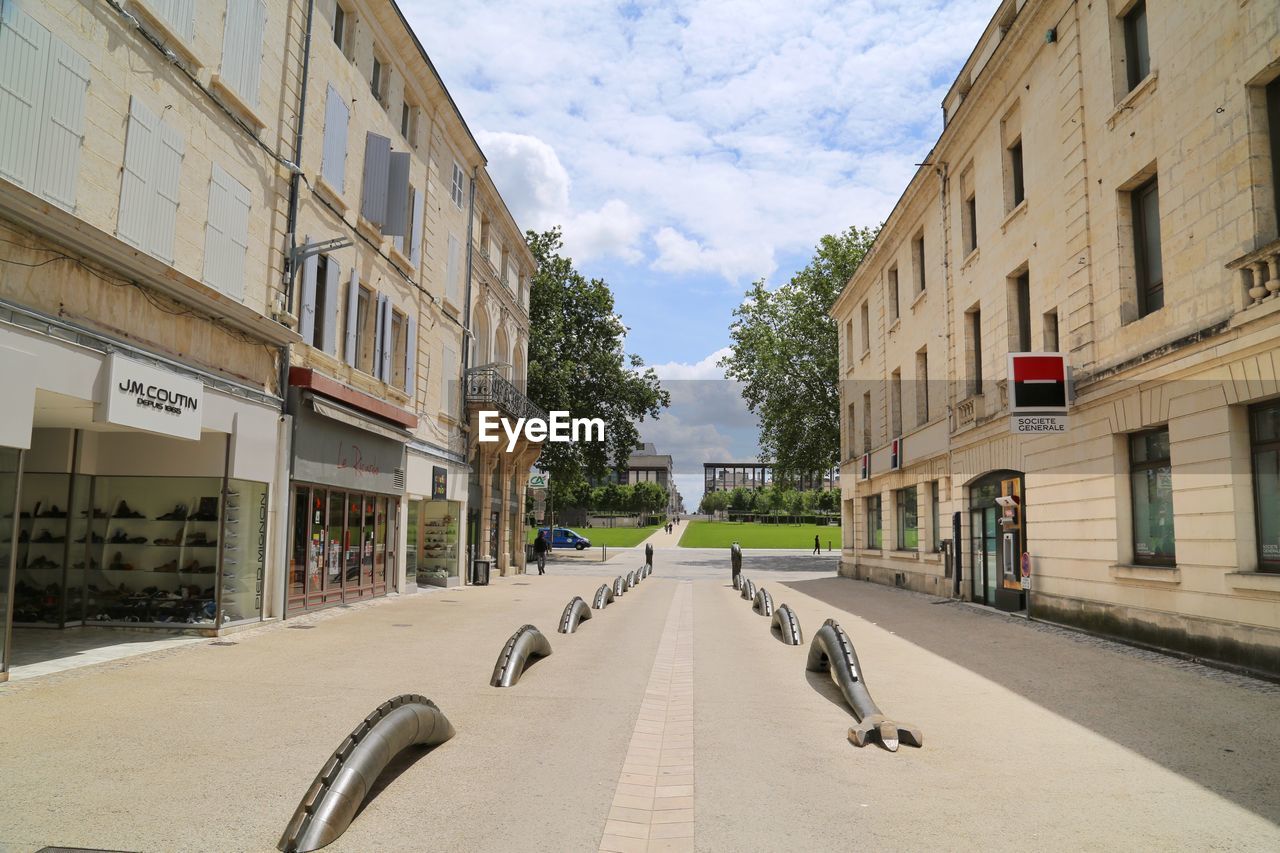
x=144, y=397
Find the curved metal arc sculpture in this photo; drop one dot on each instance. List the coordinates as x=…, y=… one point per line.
x=737, y=582
x=748, y=589
x=784, y=619
x=763, y=602
x=575, y=612
x=604, y=597
x=831, y=651
x=525, y=643
x=619, y=587
x=631, y=580
x=335, y=796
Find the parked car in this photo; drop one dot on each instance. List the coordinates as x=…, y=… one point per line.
x=565, y=538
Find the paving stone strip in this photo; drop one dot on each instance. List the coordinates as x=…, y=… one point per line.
x=653, y=804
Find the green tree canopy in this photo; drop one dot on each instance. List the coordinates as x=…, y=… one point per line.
x=785, y=351
x=577, y=364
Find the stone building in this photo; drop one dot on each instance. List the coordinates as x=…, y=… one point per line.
x=240, y=245
x=1105, y=186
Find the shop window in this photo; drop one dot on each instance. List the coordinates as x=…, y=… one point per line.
x=908, y=523
x=935, y=501
x=875, y=535
x=1145, y=207
x=1151, y=486
x=1137, y=51
x=1264, y=424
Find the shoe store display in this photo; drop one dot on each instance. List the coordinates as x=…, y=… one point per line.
x=161, y=541
x=97, y=513
x=96, y=539
x=42, y=562
x=137, y=540
x=178, y=513
x=119, y=537
x=46, y=538
x=118, y=564
x=123, y=510
x=207, y=511
x=199, y=539
x=53, y=512
x=171, y=566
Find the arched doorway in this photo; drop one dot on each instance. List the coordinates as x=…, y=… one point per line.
x=997, y=540
x=501, y=349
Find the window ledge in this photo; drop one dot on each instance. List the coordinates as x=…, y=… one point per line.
x=1136, y=95
x=368, y=229
x=920, y=297
x=1257, y=581
x=171, y=39
x=905, y=554
x=1017, y=211
x=1157, y=574
x=237, y=103
x=893, y=327
x=329, y=193
x=401, y=260
x=865, y=354
x=970, y=258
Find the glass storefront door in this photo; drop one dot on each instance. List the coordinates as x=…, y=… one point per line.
x=10, y=460
x=343, y=546
x=983, y=555
x=333, y=547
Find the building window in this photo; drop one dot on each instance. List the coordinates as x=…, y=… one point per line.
x=455, y=191
x=851, y=423
x=917, y=262
x=935, y=499
x=908, y=523
x=378, y=81
x=866, y=327
x=1051, y=331
x=973, y=349
x=848, y=342
x=406, y=121
x=895, y=402
x=875, y=536
x=340, y=27
x=893, y=295
x=364, y=330
x=1016, y=185
x=399, y=348
x=922, y=387
x=1264, y=433
x=1146, y=247
x=1273, y=126
x=866, y=422
x=968, y=212
x=1151, y=482
x=1021, y=286
x=323, y=298
x=1137, y=53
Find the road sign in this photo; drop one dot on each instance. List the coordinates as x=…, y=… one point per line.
x=539, y=481
x=1038, y=424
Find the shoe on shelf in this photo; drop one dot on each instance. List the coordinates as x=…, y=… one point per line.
x=119, y=537
x=44, y=537
x=54, y=512
x=97, y=513
x=159, y=541
x=92, y=537
x=123, y=510
x=118, y=564
x=171, y=566
x=178, y=513
x=138, y=540
x=192, y=568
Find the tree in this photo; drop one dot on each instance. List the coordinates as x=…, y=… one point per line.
x=648, y=497
x=784, y=349
x=577, y=364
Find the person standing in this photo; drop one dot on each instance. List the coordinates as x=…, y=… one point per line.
x=540, y=547
x=817, y=545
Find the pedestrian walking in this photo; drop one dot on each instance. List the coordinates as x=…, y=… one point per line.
x=540, y=548
x=817, y=546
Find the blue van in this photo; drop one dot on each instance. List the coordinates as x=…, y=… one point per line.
x=565, y=538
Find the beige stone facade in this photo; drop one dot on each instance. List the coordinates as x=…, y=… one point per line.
x=1104, y=187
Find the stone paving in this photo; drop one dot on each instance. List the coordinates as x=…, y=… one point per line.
x=672, y=720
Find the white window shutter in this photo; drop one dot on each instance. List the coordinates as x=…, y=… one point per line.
x=168, y=175
x=330, y=307
x=451, y=271
x=386, y=340
x=395, y=223
x=333, y=165
x=227, y=233
x=410, y=353
x=377, y=166
x=24, y=46
x=62, y=125
x=377, y=336
x=242, y=47
x=136, y=178
x=353, y=317
x=180, y=15
x=415, y=229
x=307, y=307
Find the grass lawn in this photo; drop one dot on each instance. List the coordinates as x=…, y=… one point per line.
x=614, y=537
x=722, y=534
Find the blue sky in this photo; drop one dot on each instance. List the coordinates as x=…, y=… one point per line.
x=688, y=148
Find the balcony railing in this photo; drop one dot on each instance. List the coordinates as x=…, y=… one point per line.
x=1259, y=274
x=487, y=387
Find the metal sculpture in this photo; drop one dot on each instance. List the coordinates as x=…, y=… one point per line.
x=748, y=589
x=648, y=553
x=735, y=562
x=784, y=619
x=639, y=573
x=631, y=580
x=763, y=602
x=335, y=796
x=832, y=652
x=525, y=643
x=604, y=596
x=619, y=586
x=737, y=582
x=575, y=612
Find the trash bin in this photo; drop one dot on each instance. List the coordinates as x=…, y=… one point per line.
x=529, y=556
x=480, y=571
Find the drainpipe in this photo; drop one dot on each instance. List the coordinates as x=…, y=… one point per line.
x=466, y=317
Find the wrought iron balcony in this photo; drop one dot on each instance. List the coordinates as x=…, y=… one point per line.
x=487, y=387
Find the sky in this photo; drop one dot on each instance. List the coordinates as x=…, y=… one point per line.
x=689, y=148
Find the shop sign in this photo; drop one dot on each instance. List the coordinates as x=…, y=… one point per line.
x=149, y=398
x=439, y=483
x=1039, y=424
x=1038, y=382
x=334, y=454
x=539, y=481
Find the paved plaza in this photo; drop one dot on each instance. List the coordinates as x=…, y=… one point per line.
x=672, y=720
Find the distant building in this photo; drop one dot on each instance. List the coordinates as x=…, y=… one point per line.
x=727, y=476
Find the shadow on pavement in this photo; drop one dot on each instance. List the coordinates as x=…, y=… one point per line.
x=393, y=771
x=1212, y=727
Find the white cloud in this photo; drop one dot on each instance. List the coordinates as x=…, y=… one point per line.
x=706, y=369
x=679, y=254
x=612, y=231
